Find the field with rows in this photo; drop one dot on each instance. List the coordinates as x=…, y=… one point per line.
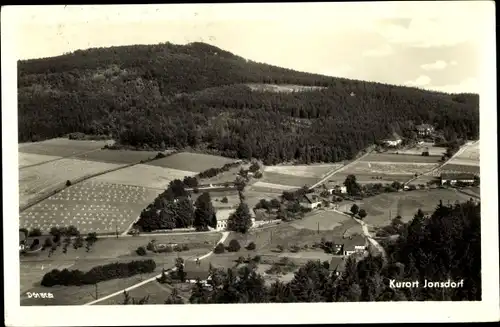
x=144, y=176
x=117, y=156
x=399, y=158
x=456, y=169
x=91, y=207
x=61, y=147
x=38, y=180
x=195, y=162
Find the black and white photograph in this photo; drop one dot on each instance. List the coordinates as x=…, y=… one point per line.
x=270, y=155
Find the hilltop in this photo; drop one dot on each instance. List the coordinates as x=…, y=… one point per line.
x=206, y=98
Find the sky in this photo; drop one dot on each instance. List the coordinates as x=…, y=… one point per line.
x=431, y=45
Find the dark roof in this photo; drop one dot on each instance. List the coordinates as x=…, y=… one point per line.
x=350, y=243
x=194, y=271
x=310, y=199
x=337, y=264
x=457, y=176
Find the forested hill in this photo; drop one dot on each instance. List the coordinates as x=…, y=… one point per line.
x=166, y=95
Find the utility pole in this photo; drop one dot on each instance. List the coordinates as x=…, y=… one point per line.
x=116, y=226
x=318, y=227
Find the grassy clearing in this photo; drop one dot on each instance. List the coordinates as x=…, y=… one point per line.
x=383, y=207
x=37, y=180
x=456, y=169
x=396, y=158
x=313, y=171
x=144, y=176
x=369, y=178
x=284, y=179
x=271, y=187
x=471, y=153
x=91, y=207
x=252, y=196
x=117, y=156
x=418, y=149
x=188, y=161
x=282, y=88
x=60, y=147
x=389, y=168
x=28, y=159
x=324, y=220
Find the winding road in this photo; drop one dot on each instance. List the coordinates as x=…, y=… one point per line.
x=223, y=238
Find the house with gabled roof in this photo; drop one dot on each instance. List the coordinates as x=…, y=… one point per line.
x=394, y=140
x=424, y=129
x=310, y=201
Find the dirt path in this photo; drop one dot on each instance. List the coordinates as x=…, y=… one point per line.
x=459, y=152
x=223, y=238
x=336, y=170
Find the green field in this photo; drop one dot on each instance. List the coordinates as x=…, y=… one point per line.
x=289, y=180
x=29, y=159
x=394, y=158
x=61, y=147
x=91, y=207
x=195, y=162
x=383, y=207
x=457, y=169
x=117, y=156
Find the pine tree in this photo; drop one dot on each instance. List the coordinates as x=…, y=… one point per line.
x=240, y=221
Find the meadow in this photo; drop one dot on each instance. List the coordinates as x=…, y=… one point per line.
x=322, y=220
x=384, y=207
x=418, y=149
x=29, y=159
x=272, y=187
x=195, y=162
x=117, y=156
x=39, y=180
x=144, y=176
x=61, y=147
x=456, y=169
x=399, y=158
x=90, y=206
x=314, y=171
x=282, y=88
x=286, y=179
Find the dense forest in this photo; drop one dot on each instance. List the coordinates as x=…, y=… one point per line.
x=443, y=246
x=196, y=95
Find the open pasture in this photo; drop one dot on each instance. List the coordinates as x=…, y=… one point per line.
x=144, y=176
x=418, y=149
x=384, y=207
x=61, y=147
x=38, y=180
x=272, y=187
x=322, y=220
x=117, y=156
x=91, y=207
x=285, y=179
x=28, y=159
x=389, y=168
x=195, y=162
x=456, y=169
x=282, y=88
x=314, y=171
x=399, y=158
x=471, y=152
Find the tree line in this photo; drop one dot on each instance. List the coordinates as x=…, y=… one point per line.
x=167, y=96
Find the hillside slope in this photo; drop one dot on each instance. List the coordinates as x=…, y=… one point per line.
x=197, y=95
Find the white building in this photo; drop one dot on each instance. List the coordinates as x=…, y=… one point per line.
x=310, y=202
x=338, y=189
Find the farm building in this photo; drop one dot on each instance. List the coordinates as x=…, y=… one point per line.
x=354, y=244
x=424, y=129
x=394, y=140
x=338, y=189
x=310, y=201
x=455, y=178
x=197, y=270
x=337, y=265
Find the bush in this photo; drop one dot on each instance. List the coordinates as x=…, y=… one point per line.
x=251, y=246
x=219, y=248
x=177, y=248
x=141, y=251
x=35, y=232
x=295, y=249
x=234, y=246
x=280, y=248
x=185, y=247
x=224, y=200
x=151, y=245
x=256, y=259
x=68, y=183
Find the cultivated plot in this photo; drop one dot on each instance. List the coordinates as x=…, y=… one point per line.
x=273, y=186
x=286, y=179
x=452, y=168
x=28, y=159
x=38, y=180
x=188, y=161
x=117, y=156
x=313, y=171
x=400, y=158
x=61, y=147
x=91, y=207
x=144, y=175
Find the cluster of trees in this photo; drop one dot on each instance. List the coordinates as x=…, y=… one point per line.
x=212, y=172
x=174, y=209
x=445, y=245
x=164, y=96
x=240, y=220
x=97, y=274
x=60, y=237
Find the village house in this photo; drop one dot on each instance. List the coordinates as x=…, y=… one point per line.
x=353, y=244
x=424, y=129
x=394, y=140
x=197, y=271
x=337, y=266
x=453, y=179
x=310, y=201
x=338, y=189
